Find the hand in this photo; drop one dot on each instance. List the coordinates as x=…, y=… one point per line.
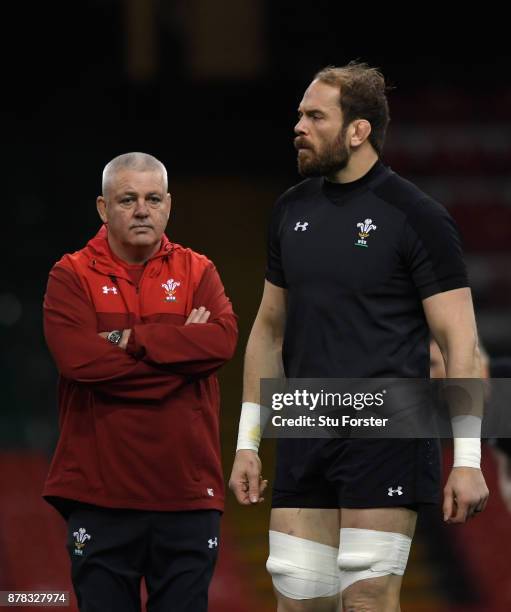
x=465, y=494
x=246, y=481
x=198, y=315
x=126, y=333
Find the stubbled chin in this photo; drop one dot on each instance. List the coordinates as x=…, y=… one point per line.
x=304, y=164
x=143, y=239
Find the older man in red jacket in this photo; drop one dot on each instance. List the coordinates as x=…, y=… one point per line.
x=138, y=326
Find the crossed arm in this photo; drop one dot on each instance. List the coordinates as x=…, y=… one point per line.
x=197, y=315
x=83, y=355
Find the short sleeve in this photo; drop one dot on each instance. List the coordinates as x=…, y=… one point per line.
x=274, y=269
x=433, y=250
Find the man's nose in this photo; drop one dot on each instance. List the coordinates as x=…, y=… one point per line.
x=141, y=208
x=300, y=127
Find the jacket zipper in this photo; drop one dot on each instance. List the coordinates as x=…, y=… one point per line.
x=123, y=297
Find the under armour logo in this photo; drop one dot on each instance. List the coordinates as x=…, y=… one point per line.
x=301, y=226
x=211, y=493
x=398, y=490
x=108, y=289
x=213, y=543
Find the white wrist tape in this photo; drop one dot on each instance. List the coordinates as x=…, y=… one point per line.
x=253, y=420
x=466, y=431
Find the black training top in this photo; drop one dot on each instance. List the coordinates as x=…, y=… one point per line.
x=357, y=259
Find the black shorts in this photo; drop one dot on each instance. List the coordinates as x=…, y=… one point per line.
x=356, y=473
x=111, y=550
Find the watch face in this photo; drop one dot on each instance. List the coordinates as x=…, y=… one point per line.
x=114, y=336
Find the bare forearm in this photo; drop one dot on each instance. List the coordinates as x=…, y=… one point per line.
x=462, y=357
x=465, y=392
x=263, y=359
x=451, y=319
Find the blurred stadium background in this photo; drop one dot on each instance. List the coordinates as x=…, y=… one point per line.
x=211, y=88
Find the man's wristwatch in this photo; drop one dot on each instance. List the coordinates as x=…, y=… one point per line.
x=115, y=336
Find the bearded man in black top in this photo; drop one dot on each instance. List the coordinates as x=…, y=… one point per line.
x=362, y=267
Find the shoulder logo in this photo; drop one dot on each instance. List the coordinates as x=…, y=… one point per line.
x=107, y=290
x=170, y=289
x=364, y=228
x=301, y=226
x=81, y=537
x=397, y=490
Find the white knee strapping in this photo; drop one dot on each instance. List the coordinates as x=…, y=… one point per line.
x=302, y=569
x=365, y=553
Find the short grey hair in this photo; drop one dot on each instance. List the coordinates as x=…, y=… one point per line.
x=140, y=162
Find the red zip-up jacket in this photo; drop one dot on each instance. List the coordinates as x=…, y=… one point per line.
x=138, y=428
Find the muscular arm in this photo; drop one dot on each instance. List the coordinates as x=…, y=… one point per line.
x=452, y=322
x=263, y=359
x=263, y=356
x=451, y=319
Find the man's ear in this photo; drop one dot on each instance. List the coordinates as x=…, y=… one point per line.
x=101, y=206
x=360, y=130
x=169, y=200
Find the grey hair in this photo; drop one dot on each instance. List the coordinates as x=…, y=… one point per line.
x=140, y=162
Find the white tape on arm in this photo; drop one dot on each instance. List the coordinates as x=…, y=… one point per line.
x=466, y=431
x=253, y=420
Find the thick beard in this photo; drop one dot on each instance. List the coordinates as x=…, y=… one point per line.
x=335, y=157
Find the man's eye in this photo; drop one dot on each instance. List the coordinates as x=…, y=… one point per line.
x=126, y=200
x=155, y=200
